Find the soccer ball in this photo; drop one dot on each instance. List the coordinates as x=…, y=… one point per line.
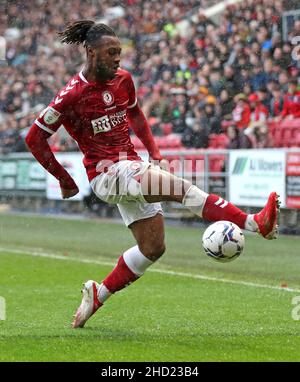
x=223, y=241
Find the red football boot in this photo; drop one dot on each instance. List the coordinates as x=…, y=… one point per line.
x=267, y=218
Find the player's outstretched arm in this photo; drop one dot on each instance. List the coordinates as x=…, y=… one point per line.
x=36, y=141
x=142, y=130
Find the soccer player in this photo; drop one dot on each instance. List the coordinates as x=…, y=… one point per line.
x=97, y=107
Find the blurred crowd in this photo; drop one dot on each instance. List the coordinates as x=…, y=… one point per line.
x=197, y=80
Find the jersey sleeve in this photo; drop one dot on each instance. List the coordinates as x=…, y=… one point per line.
x=53, y=116
x=132, y=94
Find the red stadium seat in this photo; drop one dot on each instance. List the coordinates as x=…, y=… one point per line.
x=174, y=141
x=216, y=163
x=285, y=132
x=167, y=128
x=296, y=139
x=162, y=142
x=218, y=141
x=171, y=141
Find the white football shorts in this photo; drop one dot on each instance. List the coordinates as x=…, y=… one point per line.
x=120, y=185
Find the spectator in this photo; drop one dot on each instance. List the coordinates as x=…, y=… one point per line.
x=196, y=136
x=291, y=104
x=210, y=116
x=276, y=104
x=178, y=119
x=264, y=97
x=259, y=113
x=203, y=93
x=283, y=79
x=226, y=104
x=237, y=138
x=216, y=85
x=260, y=136
x=241, y=112
x=233, y=82
x=157, y=107
x=242, y=54
x=259, y=78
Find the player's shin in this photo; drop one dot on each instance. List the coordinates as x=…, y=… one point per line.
x=212, y=207
x=131, y=265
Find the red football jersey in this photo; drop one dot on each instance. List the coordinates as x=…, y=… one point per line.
x=94, y=114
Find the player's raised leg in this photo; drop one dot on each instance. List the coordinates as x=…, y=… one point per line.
x=149, y=234
x=159, y=185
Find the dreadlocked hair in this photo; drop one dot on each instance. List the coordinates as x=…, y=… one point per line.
x=84, y=31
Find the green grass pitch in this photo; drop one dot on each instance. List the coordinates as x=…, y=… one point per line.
x=180, y=310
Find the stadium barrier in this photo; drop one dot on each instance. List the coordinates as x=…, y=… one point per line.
x=245, y=177
x=288, y=19
x=232, y=173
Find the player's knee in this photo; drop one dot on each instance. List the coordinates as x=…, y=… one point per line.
x=154, y=251
x=160, y=250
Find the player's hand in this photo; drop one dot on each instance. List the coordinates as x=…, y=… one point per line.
x=66, y=193
x=68, y=187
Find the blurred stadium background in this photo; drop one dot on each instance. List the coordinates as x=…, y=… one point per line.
x=212, y=77
x=220, y=85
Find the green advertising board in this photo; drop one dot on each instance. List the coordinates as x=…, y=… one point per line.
x=21, y=173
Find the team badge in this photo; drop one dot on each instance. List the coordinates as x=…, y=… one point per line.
x=108, y=98
x=51, y=116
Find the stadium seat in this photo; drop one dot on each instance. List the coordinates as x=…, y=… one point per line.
x=216, y=163
x=225, y=124
x=285, y=133
x=167, y=128
x=174, y=141
x=162, y=142
x=171, y=141
x=296, y=140
x=218, y=141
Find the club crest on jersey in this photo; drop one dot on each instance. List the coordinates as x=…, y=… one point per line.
x=51, y=115
x=108, y=98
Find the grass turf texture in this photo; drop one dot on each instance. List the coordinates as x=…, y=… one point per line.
x=162, y=317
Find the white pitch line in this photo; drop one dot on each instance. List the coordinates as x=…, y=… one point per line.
x=155, y=270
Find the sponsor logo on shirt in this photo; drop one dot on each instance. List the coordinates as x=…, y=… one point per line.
x=107, y=122
x=101, y=125
x=108, y=98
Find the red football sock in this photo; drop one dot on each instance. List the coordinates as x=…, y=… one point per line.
x=120, y=277
x=216, y=208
